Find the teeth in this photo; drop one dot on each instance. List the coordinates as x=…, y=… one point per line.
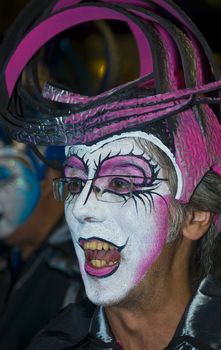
x=102, y=263
x=106, y=246
x=98, y=263
x=86, y=245
x=95, y=263
x=94, y=245
x=99, y=246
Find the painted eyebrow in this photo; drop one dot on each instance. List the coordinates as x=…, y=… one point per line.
x=76, y=162
x=109, y=156
x=126, y=161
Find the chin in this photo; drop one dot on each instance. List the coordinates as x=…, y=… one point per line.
x=106, y=295
x=102, y=300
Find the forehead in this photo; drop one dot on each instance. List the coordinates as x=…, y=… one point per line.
x=124, y=146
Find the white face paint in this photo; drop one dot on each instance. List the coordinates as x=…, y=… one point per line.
x=117, y=237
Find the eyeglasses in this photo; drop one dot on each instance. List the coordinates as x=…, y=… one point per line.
x=108, y=188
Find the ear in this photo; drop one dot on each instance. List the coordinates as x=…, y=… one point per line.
x=196, y=224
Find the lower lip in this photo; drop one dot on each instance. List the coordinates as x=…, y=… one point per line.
x=100, y=272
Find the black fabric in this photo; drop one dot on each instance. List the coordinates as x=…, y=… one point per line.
x=37, y=294
x=200, y=327
x=68, y=329
x=85, y=327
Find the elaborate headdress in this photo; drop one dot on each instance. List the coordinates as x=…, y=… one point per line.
x=172, y=101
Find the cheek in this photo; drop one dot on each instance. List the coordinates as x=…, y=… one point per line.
x=80, y=256
x=70, y=221
x=72, y=224
x=69, y=214
x=155, y=237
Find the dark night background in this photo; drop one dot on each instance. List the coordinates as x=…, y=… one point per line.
x=205, y=13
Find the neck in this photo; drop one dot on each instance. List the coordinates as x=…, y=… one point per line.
x=149, y=322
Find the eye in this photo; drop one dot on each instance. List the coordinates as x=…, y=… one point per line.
x=75, y=185
x=5, y=173
x=120, y=185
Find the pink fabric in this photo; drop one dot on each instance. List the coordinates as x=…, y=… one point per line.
x=62, y=4
x=56, y=94
x=54, y=25
x=197, y=147
x=196, y=151
x=172, y=10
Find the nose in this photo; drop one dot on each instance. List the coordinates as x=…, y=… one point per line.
x=86, y=207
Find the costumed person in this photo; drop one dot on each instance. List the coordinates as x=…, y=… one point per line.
x=36, y=254
x=141, y=179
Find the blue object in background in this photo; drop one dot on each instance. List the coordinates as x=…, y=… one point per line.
x=19, y=189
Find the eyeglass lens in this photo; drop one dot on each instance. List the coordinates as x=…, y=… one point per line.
x=111, y=188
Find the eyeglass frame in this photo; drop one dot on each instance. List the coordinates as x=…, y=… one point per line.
x=65, y=181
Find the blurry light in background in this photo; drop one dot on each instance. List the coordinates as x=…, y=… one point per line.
x=214, y=3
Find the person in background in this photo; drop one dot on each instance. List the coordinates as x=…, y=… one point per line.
x=38, y=273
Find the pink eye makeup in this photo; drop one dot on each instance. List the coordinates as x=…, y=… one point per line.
x=115, y=179
x=75, y=167
x=131, y=165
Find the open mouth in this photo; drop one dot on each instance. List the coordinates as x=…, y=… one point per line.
x=101, y=257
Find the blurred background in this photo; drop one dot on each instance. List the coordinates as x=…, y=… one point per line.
x=98, y=49
x=206, y=13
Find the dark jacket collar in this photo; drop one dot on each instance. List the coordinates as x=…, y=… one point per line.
x=100, y=330
x=199, y=328
x=99, y=326
x=85, y=326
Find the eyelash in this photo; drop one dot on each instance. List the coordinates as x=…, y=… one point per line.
x=148, y=194
x=136, y=195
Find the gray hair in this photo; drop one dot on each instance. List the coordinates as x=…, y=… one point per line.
x=206, y=256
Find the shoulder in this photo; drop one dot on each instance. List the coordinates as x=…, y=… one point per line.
x=199, y=327
x=68, y=328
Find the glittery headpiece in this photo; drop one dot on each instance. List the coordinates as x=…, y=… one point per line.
x=172, y=100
